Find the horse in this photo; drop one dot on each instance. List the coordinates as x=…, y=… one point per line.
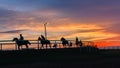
x=46, y=42
x=79, y=43
x=21, y=42
x=64, y=42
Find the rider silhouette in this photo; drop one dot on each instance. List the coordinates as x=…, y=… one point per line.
x=43, y=37
x=77, y=41
x=21, y=37
x=63, y=38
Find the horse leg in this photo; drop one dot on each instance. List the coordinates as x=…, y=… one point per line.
x=69, y=45
x=26, y=46
x=21, y=47
x=18, y=47
x=50, y=45
x=42, y=46
x=46, y=46
x=64, y=45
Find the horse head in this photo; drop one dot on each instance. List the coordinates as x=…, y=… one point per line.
x=15, y=39
x=40, y=39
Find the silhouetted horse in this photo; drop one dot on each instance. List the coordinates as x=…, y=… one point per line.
x=64, y=42
x=44, y=42
x=21, y=42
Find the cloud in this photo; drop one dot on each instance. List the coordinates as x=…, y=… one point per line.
x=112, y=27
x=13, y=31
x=6, y=12
x=84, y=11
x=32, y=14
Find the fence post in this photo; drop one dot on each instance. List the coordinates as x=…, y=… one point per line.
x=0, y=46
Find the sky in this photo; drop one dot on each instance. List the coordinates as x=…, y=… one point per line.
x=94, y=20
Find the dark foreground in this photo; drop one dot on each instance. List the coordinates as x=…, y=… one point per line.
x=60, y=58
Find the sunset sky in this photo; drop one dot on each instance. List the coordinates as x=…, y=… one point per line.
x=86, y=19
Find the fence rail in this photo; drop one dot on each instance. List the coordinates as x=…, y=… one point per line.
x=9, y=43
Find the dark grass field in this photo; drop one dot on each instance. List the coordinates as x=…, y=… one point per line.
x=86, y=57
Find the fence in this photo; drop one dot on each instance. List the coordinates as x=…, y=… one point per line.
x=6, y=44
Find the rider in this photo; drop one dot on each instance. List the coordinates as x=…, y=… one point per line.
x=21, y=37
x=63, y=38
x=77, y=41
x=43, y=37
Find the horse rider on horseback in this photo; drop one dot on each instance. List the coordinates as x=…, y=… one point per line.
x=78, y=42
x=21, y=37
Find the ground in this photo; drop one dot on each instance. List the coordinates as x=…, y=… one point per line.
x=60, y=58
